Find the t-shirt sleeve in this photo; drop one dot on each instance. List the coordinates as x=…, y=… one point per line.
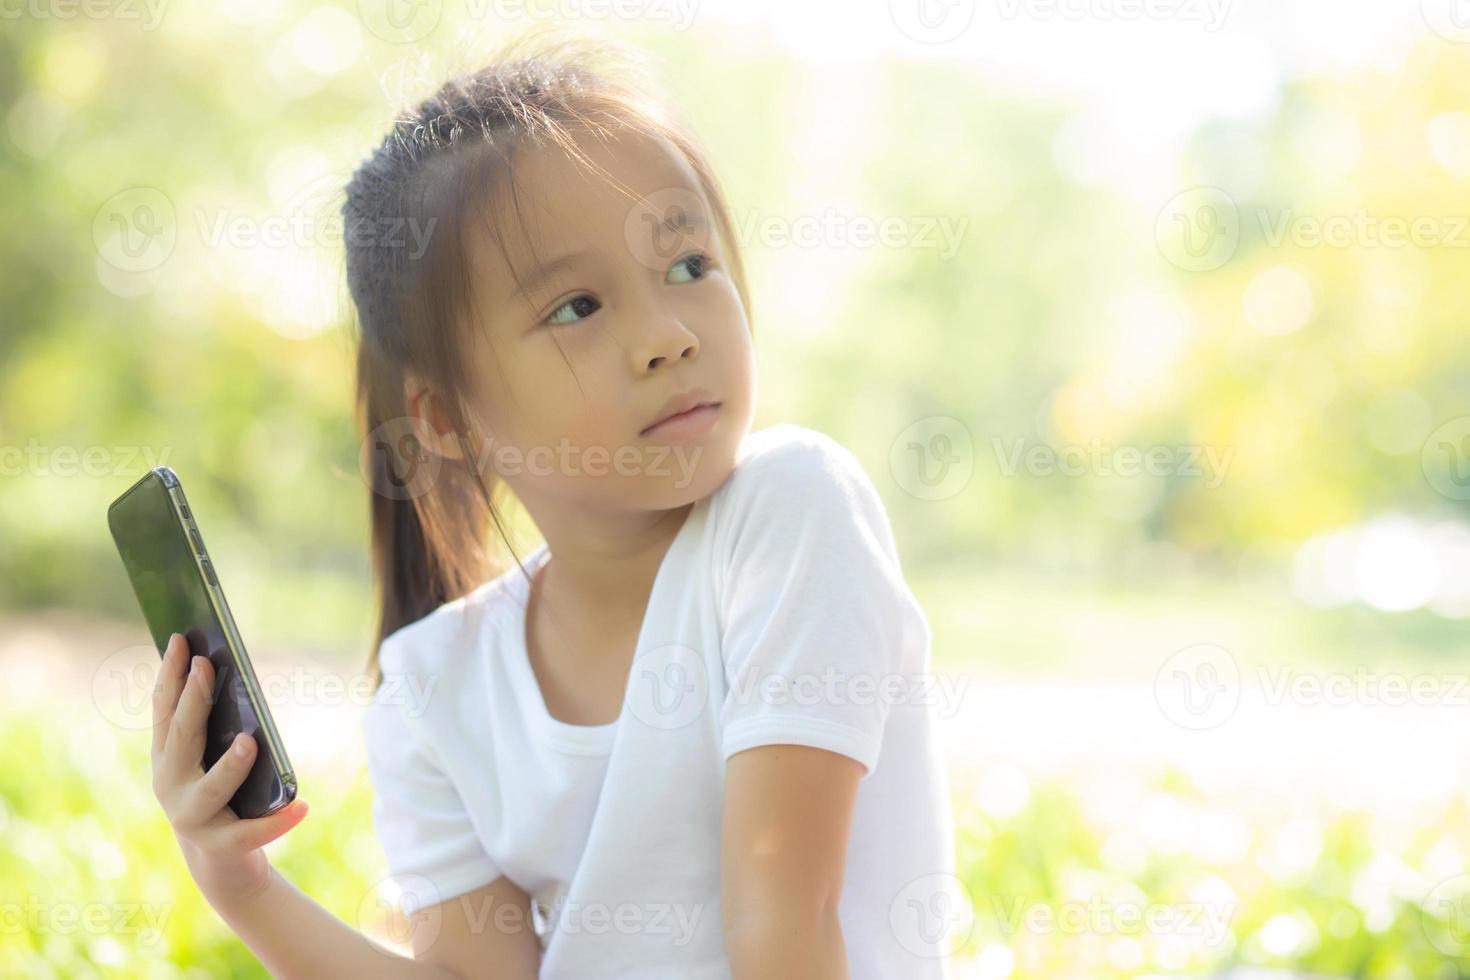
x=432, y=850
x=821, y=636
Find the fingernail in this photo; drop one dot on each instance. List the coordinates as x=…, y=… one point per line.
x=241, y=746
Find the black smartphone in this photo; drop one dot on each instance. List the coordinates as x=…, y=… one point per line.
x=177, y=586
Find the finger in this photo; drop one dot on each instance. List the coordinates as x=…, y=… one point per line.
x=213, y=791
x=243, y=836
x=183, y=752
x=166, y=689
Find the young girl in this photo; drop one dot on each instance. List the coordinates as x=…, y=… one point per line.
x=682, y=740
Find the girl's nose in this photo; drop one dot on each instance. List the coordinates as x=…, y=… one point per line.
x=686, y=350
x=663, y=337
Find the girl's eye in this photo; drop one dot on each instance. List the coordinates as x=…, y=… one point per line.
x=695, y=262
x=582, y=306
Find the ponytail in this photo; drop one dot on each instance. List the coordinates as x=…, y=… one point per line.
x=428, y=515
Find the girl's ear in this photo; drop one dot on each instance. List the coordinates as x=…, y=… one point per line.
x=430, y=422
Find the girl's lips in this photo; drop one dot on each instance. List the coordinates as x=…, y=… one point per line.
x=686, y=424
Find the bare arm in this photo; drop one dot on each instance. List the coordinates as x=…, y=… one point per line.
x=787, y=818
x=484, y=933
x=293, y=936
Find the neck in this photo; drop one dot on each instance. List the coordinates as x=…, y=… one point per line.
x=607, y=563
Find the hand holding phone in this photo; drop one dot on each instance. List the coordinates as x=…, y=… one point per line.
x=207, y=704
x=158, y=539
x=222, y=850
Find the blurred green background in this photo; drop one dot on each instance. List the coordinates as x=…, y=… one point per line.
x=1239, y=251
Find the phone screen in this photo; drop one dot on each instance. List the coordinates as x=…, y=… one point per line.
x=158, y=551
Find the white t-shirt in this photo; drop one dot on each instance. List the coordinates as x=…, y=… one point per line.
x=779, y=614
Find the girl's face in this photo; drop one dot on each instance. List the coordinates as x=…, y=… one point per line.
x=626, y=302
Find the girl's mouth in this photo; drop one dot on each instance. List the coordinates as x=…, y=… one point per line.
x=693, y=422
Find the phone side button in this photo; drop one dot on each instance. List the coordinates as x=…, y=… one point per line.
x=208, y=572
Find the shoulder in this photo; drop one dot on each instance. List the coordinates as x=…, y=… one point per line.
x=792, y=488
x=787, y=458
x=442, y=640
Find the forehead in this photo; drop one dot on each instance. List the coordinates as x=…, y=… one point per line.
x=553, y=204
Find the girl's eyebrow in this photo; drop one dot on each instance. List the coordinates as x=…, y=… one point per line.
x=676, y=220
x=545, y=271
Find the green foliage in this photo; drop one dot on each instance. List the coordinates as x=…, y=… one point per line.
x=93, y=881
x=87, y=858
x=1066, y=904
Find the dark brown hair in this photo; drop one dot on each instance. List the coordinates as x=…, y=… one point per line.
x=451, y=152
